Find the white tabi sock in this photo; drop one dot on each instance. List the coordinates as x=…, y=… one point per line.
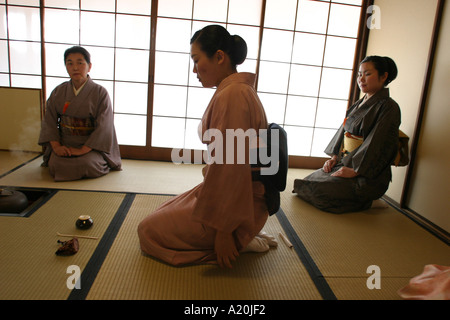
x=257, y=245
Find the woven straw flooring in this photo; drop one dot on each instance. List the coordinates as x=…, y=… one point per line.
x=329, y=259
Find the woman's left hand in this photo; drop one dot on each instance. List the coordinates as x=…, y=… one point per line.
x=345, y=172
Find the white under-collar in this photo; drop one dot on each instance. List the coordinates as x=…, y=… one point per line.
x=75, y=91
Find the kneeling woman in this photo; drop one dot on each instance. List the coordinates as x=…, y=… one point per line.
x=216, y=220
x=78, y=127
x=363, y=148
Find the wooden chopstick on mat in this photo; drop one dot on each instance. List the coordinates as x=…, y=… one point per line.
x=286, y=241
x=76, y=236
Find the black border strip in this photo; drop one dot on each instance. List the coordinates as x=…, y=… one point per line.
x=421, y=221
x=20, y=165
x=46, y=198
x=98, y=257
x=314, y=272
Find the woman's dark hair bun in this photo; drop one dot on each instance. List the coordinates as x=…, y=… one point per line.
x=215, y=37
x=238, y=50
x=383, y=65
x=392, y=70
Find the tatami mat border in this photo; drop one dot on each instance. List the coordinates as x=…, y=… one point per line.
x=422, y=222
x=95, y=263
x=313, y=271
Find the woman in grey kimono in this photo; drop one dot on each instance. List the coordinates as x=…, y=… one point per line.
x=363, y=148
x=78, y=127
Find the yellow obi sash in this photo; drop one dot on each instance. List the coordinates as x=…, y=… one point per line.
x=351, y=143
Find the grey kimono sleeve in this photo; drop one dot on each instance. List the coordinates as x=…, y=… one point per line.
x=102, y=138
x=334, y=147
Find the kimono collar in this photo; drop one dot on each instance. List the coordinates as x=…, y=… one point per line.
x=77, y=92
x=238, y=77
x=383, y=93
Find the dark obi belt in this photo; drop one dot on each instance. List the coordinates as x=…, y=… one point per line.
x=71, y=126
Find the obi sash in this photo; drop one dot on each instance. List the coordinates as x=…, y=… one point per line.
x=351, y=143
x=71, y=126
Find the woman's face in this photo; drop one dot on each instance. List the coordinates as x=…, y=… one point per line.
x=77, y=67
x=369, y=81
x=206, y=68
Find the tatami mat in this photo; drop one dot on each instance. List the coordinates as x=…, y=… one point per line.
x=339, y=248
x=351, y=288
x=10, y=160
x=129, y=274
x=29, y=268
x=137, y=176
x=344, y=246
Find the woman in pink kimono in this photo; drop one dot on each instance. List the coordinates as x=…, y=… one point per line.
x=78, y=127
x=223, y=215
